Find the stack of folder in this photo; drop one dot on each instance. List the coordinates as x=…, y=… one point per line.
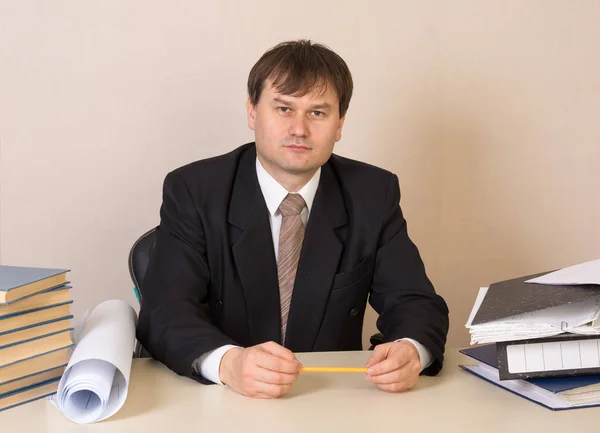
x=545, y=327
x=35, y=332
x=555, y=393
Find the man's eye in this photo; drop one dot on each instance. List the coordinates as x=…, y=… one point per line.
x=283, y=109
x=318, y=113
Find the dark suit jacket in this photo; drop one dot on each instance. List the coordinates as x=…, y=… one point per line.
x=212, y=278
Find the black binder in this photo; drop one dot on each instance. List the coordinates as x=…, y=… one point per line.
x=515, y=296
x=503, y=363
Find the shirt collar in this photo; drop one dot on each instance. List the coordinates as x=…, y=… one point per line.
x=274, y=193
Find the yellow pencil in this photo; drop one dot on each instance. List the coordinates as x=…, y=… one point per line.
x=333, y=370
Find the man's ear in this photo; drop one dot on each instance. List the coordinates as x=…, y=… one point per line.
x=251, y=110
x=338, y=133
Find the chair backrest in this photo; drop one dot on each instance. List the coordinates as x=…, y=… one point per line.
x=139, y=256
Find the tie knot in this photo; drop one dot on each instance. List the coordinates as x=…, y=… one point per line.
x=292, y=204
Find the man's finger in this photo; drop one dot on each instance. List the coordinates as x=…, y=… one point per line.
x=402, y=385
x=271, y=390
x=395, y=376
x=278, y=350
x=274, y=363
x=398, y=387
x=388, y=365
x=378, y=355
x=275, y=377
x=263, y=396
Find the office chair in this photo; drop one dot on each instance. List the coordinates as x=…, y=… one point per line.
x=139, y=256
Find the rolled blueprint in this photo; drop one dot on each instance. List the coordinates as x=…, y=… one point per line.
x=94, y=385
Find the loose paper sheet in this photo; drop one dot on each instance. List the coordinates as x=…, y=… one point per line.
x=584, y=273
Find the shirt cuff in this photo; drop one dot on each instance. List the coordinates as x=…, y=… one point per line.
x=424, y=353
x=209, y=363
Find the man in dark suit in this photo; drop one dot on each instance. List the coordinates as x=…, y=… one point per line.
x=276, y=247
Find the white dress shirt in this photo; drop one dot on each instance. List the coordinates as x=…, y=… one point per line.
x=274, y=194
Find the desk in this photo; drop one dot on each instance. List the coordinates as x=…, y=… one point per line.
x=454, y=401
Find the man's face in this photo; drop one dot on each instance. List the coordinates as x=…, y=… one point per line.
x=295, y=135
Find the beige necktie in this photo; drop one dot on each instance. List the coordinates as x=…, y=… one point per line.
x=291, y=236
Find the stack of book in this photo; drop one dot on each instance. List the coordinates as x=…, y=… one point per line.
x=35, y=332
x=545, y=335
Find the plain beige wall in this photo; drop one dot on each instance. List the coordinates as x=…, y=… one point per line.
x=487, y=111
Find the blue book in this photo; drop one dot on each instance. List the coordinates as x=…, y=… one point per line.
x=35, y=332
x=20, y=322
x=18, y=282
x=38, y=301
x=25, y=383
x=34, y=348
x=26, y=370
x=556, y=393
x=32, y=393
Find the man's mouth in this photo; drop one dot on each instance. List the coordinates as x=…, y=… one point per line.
x=297, y=147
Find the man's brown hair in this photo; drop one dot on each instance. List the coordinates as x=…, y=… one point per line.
x=296, y=67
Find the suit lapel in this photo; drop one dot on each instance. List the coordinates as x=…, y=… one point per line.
x=254, y=254
x=318, y=264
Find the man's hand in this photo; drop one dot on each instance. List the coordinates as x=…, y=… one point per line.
x=267, y=370
x=394, y=367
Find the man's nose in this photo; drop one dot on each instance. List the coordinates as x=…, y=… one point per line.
x=299, y=126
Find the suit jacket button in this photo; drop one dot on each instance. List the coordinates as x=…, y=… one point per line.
x=354, y=312
x=218, y=304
